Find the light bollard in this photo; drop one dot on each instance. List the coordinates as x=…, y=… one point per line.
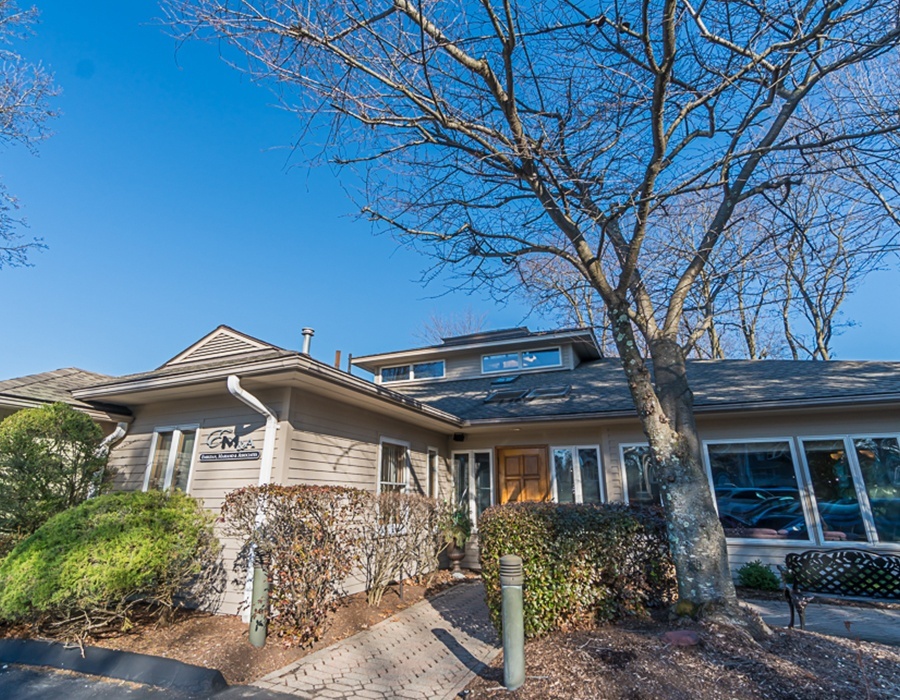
x=259, y=604
x=512, y=578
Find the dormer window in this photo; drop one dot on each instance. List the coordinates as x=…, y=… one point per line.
x=524, y=360
x=407, y=373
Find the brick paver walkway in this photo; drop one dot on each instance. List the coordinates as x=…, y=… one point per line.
x=429, y=651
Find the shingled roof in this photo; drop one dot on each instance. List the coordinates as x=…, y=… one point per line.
x=50, y=387
x=599, y=388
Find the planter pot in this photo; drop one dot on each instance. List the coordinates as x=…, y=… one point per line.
x=455, y=555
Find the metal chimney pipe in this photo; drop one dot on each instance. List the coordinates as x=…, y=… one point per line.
x=308, y=333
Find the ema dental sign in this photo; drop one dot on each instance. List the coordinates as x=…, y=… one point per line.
x=229, y=447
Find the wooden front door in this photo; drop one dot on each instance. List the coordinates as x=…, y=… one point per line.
x=523, y=474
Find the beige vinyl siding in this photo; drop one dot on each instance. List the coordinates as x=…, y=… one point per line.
x=210, y=480
x=336, y=444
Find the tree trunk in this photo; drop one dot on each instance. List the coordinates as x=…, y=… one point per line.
x=666, y=410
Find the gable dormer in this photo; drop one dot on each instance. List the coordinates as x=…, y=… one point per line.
x=494, y=353
x=222, y=342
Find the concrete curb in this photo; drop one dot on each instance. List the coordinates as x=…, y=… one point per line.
x=121, y=665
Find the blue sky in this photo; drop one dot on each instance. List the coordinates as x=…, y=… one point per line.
x=171, y=203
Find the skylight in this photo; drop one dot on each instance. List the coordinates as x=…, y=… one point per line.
x=505, y=395
x=549, y=392
x=508, y=379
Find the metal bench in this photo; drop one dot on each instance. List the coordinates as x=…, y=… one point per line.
x=838, y=573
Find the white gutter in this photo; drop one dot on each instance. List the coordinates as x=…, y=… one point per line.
x=265, y=469
x=268, y=451
x=116, y=435
x=102, y=450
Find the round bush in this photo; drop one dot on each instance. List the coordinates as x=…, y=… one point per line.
x=755, y=574
x=93, y=563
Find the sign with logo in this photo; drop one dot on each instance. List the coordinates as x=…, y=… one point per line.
x=228, y=447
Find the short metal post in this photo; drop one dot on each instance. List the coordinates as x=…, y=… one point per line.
x=259, y=604
x=512, y=578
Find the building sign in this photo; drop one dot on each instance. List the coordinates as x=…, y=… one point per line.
x=228, y=447
x=229, y=456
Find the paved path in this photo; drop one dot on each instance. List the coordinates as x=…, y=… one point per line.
x=429, y=651
x=867, y=624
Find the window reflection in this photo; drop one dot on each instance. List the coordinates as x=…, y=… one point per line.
x=756, y=490
x=590, y=475
x=832, y=482
x=879, y=462
x=565, y=476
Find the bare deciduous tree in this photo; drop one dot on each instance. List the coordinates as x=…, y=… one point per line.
x=25, y=90
x=493, y=130
x=439, y=327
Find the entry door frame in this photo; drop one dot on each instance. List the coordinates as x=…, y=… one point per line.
x=500, y=481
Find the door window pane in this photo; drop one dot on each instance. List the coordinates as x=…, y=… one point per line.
x=642, y=486
x=879, y=462
x=461, y=471
x=590, y=476
x=832, y=482
x=565, y=478
x=756, y=490
x=483, y=498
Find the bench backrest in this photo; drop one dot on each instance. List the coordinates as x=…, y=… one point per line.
x=850, y=572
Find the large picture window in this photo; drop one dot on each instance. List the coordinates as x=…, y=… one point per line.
x=576, y=475
x=171, y=458
x=856, y=487
x=756, y=489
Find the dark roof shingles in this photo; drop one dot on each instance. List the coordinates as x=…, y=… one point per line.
x=600, y=387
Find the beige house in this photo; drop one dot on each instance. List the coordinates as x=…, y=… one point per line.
x=799, y=454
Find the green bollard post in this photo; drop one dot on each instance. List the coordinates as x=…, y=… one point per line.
x=512, y=578
x=259, y=605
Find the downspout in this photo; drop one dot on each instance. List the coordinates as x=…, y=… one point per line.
x=256, y=589
x=268, y=451
x=102, y=450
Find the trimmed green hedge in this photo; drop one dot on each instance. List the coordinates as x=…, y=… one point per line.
x=583, y=563
x=93, y=563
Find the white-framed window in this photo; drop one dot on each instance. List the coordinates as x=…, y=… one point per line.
x=759, y=489
x=433, y=473
x=521, y=361
x=433, y=369
x=393, y=465
x=473, y=473
x=855, y=487
x=639, y=483
x=576, y=475
x=172, y=455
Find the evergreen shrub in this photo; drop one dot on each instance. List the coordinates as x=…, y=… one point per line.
x=583, y=564
x=755, y=574
x=50, y=460
x=88, y=568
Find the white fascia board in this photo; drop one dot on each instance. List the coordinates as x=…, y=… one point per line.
x=297, y=363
